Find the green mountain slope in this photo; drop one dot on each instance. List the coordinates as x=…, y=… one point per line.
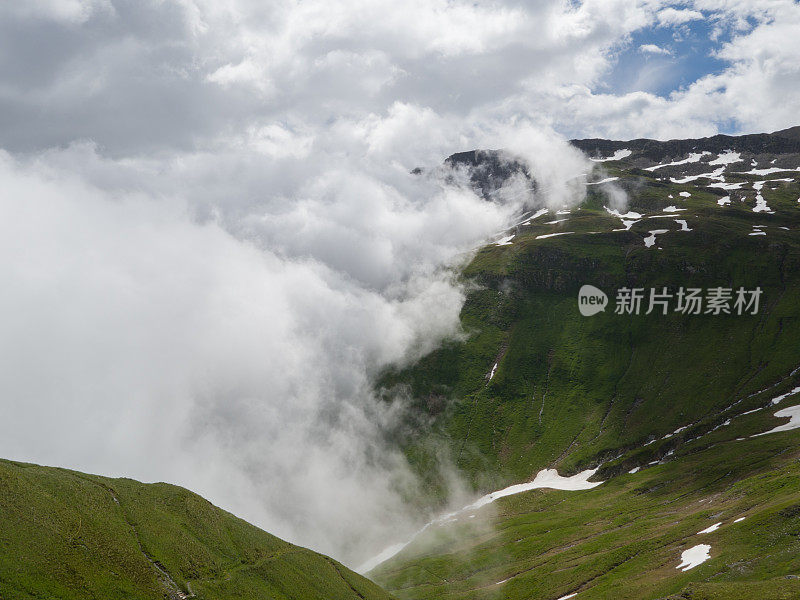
x=569, y=391
x=624, y=538
x=537, y=385
x=68, y=535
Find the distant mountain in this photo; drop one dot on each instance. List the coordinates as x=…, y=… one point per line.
x=661, y=401
x=70, y=536
x=786, y=141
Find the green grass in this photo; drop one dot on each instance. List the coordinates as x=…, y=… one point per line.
x=597, y=386
x=573, y=392
x=623, y=539
x=73, y=536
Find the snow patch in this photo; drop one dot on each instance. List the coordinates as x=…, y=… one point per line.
x=693, y=158
x=618, y=155
x=546, y=478
x=761, y=204
x=606, y=180
x=768, y=171
x=547, y=235
x=536, y=215
x=726, y=158
x=793, y=412
x=714, y=527
x=506, y=241
x=670, y=209
x=777, y=399
x=684, y=194
x=724, y=201
x=651, y=239
x=696, y=555
x=683, y=224
x=628, y=215
x=716, y=174
x=626, y=225
x=728, y=186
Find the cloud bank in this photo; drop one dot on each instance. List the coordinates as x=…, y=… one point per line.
x=212, y=241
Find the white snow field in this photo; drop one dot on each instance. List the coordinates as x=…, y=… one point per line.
x=696, y=555
x=693, y=158
x=761, y=204
x=618, y=155
x=546, y=478
x=715, y=174
x=728, y=186
x=650, y=240
x=726, y=158
x=768, y=171
x=793, y=412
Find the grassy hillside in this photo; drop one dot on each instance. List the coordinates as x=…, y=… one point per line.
x=73, y=536
x=570, y=391
x=624, y=539
x=537, y=385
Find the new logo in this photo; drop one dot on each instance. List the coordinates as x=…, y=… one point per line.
x=591, y=300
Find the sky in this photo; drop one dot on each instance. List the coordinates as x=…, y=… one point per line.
x=212, y=242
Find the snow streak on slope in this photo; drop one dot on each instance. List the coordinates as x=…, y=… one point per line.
x=546, y=478
x=793, y=413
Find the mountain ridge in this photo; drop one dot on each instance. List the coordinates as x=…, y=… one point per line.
x=75, y=536
x=658, y=403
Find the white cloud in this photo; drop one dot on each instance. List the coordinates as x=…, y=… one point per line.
x=216, y=318
x=653, y=49
x=65, y=11
x=669, y=17
x=139, y=341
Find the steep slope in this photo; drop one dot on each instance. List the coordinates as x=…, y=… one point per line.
x=73, y=536
x=625, y=538
x=538, y=385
